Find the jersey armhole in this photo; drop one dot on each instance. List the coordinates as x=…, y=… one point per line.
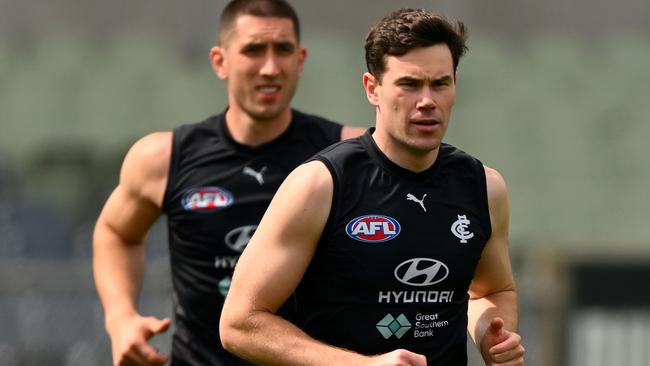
x=171, y=175
x=336, y=185
x=483, y=197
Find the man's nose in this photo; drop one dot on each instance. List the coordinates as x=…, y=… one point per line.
x=270, y=66
x=426, y=101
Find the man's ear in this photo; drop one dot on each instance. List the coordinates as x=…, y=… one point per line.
x=302, y=57
x=372, y=86
x=218, y=62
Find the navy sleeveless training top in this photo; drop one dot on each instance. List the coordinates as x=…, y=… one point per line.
x=217, y=192
x=397, y=255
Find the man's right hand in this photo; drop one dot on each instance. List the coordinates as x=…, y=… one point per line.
x=130, y=340
x=399, y=357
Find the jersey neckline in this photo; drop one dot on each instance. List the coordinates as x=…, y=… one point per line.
x=376, y=154
x=222, y=130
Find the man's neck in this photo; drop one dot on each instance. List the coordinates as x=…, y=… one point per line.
x=249, y=131
x=404, y=156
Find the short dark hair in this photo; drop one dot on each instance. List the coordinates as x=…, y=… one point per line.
x=406, y=29
x=258, y=8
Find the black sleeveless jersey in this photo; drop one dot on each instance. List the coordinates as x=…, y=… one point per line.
x=394, y=263
x=216, y=194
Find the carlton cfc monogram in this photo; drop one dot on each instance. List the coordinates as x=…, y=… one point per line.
x=459, y=229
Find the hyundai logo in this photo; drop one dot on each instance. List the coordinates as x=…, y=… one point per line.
x=238, y=238
x=421, y=272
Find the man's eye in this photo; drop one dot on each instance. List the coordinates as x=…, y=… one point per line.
x=408, y=84
x=253, y=51
x=284, y=49
x=441, y=83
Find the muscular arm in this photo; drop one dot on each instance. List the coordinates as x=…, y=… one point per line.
x=118, y=250
x=493, y=292
x=269, y=271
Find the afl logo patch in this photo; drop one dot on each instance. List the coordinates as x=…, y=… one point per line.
x=373, y=228
x=206, y=199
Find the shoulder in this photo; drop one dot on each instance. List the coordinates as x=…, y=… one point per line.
x=313, y=174
x=497, y=193
x=310, y=183
x=496, y=185
x=146, y=165
x=151, y=153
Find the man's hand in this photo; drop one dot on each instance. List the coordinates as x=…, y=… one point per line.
x=400, y=357
x=501, y=347
x=130, y=340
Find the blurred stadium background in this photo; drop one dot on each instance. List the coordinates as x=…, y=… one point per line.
x=554, y=94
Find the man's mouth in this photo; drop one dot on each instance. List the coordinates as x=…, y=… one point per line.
x=426, y=122
x=268, y=89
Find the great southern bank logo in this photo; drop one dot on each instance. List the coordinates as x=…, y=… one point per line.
x=206, y=199
x=390, y=326
x=373, y=228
